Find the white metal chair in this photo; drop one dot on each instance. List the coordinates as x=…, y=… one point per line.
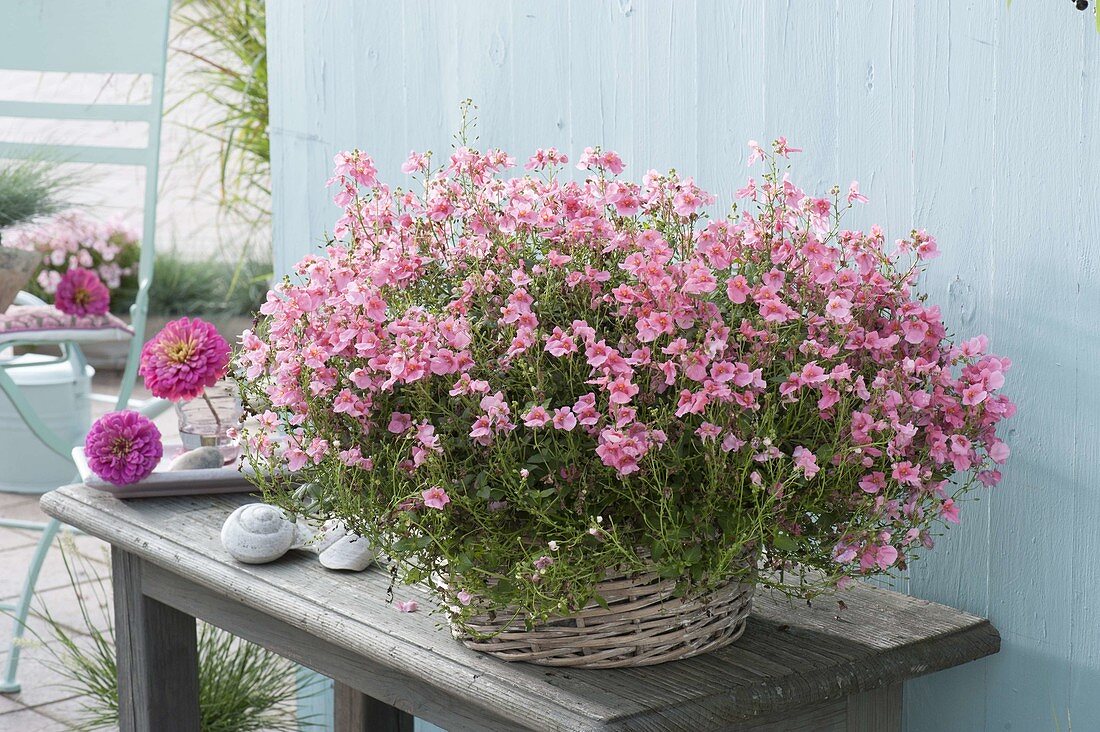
x=89, y=37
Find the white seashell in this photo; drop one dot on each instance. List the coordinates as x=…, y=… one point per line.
x=257, y=533
x=331, y=532
x=349, y=552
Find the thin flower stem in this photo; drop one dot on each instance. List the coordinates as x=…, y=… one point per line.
x=213, y=411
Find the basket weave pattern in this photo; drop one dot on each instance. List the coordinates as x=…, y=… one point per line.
x=643, y=624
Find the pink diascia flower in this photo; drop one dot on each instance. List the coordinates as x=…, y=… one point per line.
x=435, y=497
x=123, y=447
x=407, y=606
x=184, y=358
x=81, y=292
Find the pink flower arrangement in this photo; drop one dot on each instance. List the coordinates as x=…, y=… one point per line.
x=184, y=358
x=80, y=292
x=123, y=447
x=599, y=367
x=71, y=240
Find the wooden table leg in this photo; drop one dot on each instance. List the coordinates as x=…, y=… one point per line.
x=878, y=710
x=357, y=712
x=158, y=665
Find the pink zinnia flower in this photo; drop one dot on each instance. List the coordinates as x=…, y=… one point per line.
x=435, y=497
x=123, y=447
x=81, y=292
x=184, y=358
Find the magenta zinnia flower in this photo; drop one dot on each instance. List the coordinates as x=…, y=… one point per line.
x=123, y=447
x=187, y=356
x=81, y=292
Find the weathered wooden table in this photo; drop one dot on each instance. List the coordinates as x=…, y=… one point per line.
x=796, y=667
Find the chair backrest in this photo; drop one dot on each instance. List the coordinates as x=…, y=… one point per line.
x=93, y=37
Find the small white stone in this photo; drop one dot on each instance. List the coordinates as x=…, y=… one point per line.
x=257, y=533
x=349, y=552
x=202, y=458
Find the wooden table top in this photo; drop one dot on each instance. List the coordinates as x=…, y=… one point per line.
x=791, y=655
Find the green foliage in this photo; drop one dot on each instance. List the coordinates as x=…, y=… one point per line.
x=242, y=687
x=29, y=189
x=188, y=287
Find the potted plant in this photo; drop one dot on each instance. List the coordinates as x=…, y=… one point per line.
x=593, y=418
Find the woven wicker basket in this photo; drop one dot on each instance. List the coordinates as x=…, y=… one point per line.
x=643, y=624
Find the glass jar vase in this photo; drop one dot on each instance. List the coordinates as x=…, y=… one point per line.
x=205, y=421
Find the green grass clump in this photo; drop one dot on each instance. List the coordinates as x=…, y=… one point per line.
x=29, y=189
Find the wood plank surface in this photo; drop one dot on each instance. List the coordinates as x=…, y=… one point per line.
x=791, y=655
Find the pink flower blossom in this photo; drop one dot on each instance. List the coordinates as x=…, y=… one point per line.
x=854, y=196
x=184, y=358
x=536, y=417
x=399, y=423
x=708, y=432
x=806, y=461
x=564, y=419
x=407, y=606
x=123, y=447
x=621, y=391
x=435, y=497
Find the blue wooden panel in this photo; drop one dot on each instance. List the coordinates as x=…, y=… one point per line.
x=972, y=119
x=953, y=136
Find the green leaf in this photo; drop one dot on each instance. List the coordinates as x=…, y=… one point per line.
x=785, y=542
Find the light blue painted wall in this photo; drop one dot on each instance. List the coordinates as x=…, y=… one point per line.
x=976, y=121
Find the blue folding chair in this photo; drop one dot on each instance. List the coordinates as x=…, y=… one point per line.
x=89, y=37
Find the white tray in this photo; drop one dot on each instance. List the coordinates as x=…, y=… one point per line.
x=164, y=482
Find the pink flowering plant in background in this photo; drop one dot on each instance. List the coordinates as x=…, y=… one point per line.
x=73, y=239
x=513, y=383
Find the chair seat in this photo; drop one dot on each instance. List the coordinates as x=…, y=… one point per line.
x=47, y=324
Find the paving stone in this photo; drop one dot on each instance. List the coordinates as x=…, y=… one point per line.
x=69, y=712
x=63, y=608
x=7, y=704
x=14, y=538
x=28, y=720
x=41, y=678
x=14, y=563
x=21, y=506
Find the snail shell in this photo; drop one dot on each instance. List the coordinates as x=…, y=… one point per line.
x=257, y=533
